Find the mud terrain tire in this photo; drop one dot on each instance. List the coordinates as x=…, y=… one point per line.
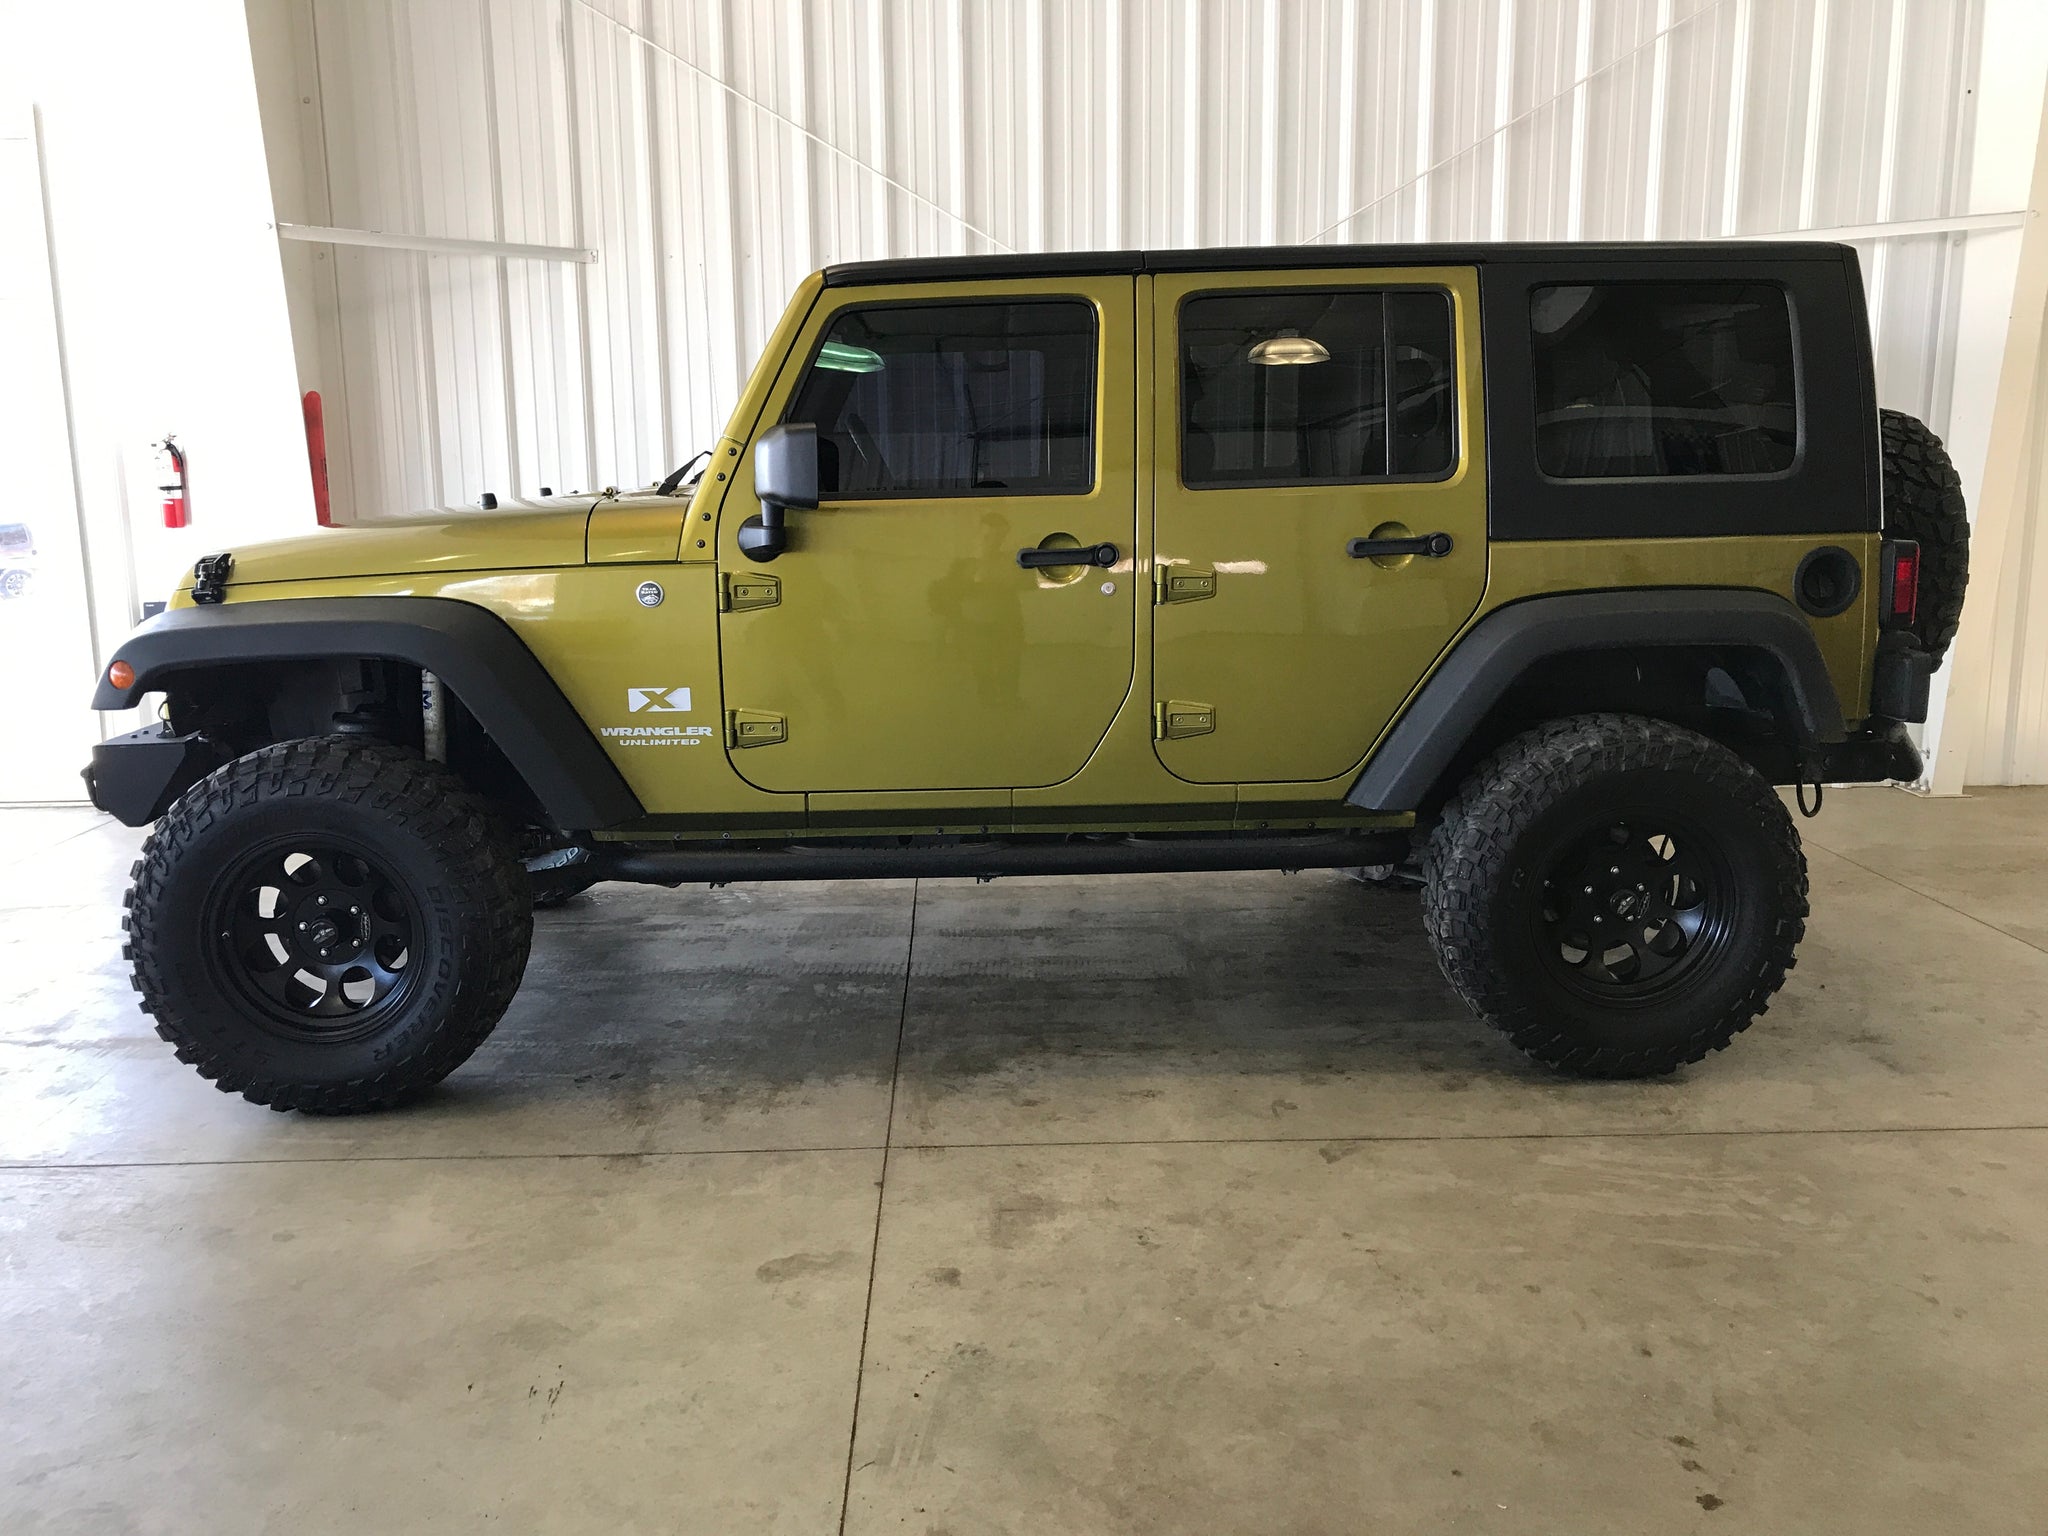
x=330, y=925
x=1923, y=501
x=1615, y=894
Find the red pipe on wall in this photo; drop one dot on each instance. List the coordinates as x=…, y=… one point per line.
x=316, y=452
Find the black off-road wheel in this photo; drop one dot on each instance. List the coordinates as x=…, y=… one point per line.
x=1617, y=895
x=330, y=925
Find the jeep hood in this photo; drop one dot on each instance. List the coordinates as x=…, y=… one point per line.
x=462, y=541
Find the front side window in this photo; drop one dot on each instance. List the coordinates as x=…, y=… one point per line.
x=1666, y=379
x=973, y=399
x=1293, y=387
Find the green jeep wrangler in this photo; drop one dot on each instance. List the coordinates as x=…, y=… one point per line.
x=1539, y=565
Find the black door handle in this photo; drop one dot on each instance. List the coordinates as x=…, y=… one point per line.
x=1104, y=555
x=1433, y=546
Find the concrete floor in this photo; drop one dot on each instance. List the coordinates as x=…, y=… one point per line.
x=1160, y=1205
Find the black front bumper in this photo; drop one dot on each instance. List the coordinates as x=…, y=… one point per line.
x=134, y=778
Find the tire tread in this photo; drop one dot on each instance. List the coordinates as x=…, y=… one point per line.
x=1469, y=849
x=400, y=788
x=1923, y=501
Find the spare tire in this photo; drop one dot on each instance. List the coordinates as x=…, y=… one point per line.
x=1923, y=501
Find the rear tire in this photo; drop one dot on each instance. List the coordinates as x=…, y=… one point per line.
x=1616, y=895
x=329, y=925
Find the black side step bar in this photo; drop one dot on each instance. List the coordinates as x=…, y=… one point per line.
x=716, y=865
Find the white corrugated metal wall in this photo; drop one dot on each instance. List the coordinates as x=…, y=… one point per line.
x=707, y=153
x=713, y=152
x=2011, y=743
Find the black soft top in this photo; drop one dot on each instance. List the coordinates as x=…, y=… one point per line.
x=940, y=269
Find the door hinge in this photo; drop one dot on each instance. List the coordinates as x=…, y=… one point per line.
x=736, y=594
x=1175, y=718
x=1182, y=583
x=754, y=728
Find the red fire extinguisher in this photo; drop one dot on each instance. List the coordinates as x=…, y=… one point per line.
x=177, y=513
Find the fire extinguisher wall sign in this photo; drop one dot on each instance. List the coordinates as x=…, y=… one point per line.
x=177, y=509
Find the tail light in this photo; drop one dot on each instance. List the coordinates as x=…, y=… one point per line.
x=1900, y=592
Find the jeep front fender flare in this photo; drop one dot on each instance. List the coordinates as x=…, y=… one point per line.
x=1441, y=718
x=469, y=648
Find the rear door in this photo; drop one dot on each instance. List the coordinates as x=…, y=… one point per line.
x=1297, y=413
x=899, y=643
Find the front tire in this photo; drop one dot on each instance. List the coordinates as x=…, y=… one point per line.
x=1617, y=895
x=330, y=925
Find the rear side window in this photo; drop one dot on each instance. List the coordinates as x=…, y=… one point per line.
x=1294, y=387
x=977, y=399
x=1663, y=379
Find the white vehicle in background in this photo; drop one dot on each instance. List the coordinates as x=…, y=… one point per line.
x=17, y=559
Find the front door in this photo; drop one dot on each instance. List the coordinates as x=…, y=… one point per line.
x=1298, y=414
x=900, y=643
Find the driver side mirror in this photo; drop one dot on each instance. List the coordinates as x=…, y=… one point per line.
x=785, y=475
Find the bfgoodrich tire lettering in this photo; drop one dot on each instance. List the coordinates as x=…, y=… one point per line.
x=430, y=917
x=1699, y=920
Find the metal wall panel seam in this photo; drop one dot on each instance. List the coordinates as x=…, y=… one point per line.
x=579, y=223
x=762, y=107
x=1520, y=118
x=1582, y=63
x=1738, y=105
x=504, y=275
x=655, y=189
x=1660, y=88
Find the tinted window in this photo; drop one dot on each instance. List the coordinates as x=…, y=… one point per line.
x=954, y=400
x=1292, y=388
x=1663, y=379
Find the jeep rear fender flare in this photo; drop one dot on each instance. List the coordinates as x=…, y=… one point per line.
x=1501, y=647
x=473, y=651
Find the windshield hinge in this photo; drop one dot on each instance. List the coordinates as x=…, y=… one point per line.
x=736, y=594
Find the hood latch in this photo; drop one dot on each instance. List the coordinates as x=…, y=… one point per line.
x=210, y=577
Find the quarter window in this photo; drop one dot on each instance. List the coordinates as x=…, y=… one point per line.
x=1293, y=387
x=1663, y=379
x=954, y=400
